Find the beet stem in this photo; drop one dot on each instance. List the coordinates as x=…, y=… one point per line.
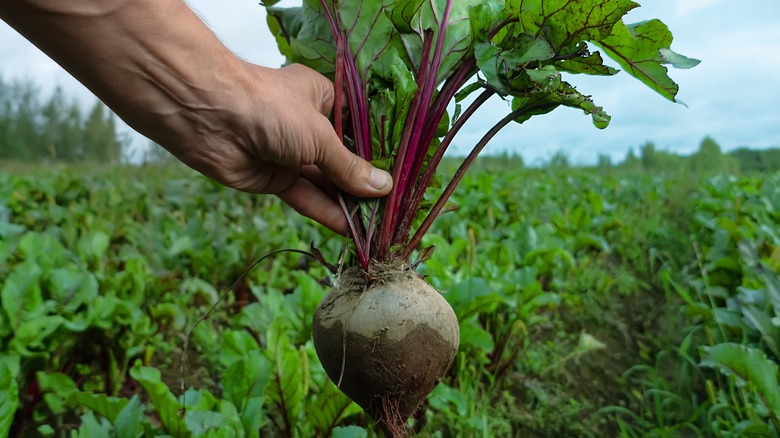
x=434, y=213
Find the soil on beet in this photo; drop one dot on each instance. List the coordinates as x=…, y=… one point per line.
x=380, y=349
x=407, y=370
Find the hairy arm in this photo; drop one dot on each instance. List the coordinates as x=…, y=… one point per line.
x=160, y=68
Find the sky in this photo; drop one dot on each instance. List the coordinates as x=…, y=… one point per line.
x=733, y=96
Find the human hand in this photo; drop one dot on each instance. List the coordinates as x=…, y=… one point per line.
x=275, y=138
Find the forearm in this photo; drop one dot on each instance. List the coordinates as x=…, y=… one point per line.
x=153, y=62
x=158, y=66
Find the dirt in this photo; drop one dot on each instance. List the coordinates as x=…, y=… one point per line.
x=386, y=348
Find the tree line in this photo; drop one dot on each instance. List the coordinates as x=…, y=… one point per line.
x=708, y=159
x=55, y=129
x=36, y=129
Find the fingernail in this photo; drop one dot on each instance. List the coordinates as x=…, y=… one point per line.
x=378, y=179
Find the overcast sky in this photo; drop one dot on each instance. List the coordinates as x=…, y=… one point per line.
x=732, y=96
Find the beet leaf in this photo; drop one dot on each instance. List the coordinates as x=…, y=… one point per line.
x=401, y=66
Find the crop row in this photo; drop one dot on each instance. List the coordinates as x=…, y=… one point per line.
x=589, y=305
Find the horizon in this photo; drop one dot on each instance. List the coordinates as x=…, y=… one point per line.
x=729, y=96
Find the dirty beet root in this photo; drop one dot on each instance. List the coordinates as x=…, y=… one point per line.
x=385, y=344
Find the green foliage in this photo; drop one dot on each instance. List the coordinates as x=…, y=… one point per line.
x=9, y=398
x=583, y=312
x=33, y=129
x=727, y=363
x=751, y=369
x=642, y=49
x=708, y=160
x=398, y=65
x=756, y=160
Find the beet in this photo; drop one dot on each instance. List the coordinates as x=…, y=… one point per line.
x=385, y=342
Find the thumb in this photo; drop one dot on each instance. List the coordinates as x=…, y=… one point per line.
x=351, y=173
x=343, y=168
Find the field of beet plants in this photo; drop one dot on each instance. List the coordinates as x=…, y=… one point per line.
x=591, y=303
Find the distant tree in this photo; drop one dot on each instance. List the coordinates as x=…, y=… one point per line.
x=559, y=160
x=771, y=158
x=631, y=162
x=6, y=122
x=101, y=142
x=756, y=160
x=659, y=161
x=24, y=141
x=648, y=156
x=604, y=162
x=72, y=145
x=501, y=161
x=53, y=118
x=61, y=132
x=54, y=130
x=709, y=159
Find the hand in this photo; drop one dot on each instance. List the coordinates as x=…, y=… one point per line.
x=275, y=138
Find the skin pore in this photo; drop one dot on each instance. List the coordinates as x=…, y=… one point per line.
x=158, y=67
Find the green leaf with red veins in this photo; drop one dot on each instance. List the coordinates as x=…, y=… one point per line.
x=567, y=95
x=488, y=58
x=642, y=49
x=592, y=64
x=505, y=70
x=390, y=105
x=549, y=92
x=412, y=18
x=516, y=48
x=458, y=39
x=369, y=32
x=304, y=36
x=402, y=14
x=484, y=17
x=564, y=23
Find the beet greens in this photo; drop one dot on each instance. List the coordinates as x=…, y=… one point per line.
x=400, y=66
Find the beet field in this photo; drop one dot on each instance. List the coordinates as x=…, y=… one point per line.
x=138, y=302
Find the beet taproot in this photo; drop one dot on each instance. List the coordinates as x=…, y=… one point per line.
x=385, y=342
